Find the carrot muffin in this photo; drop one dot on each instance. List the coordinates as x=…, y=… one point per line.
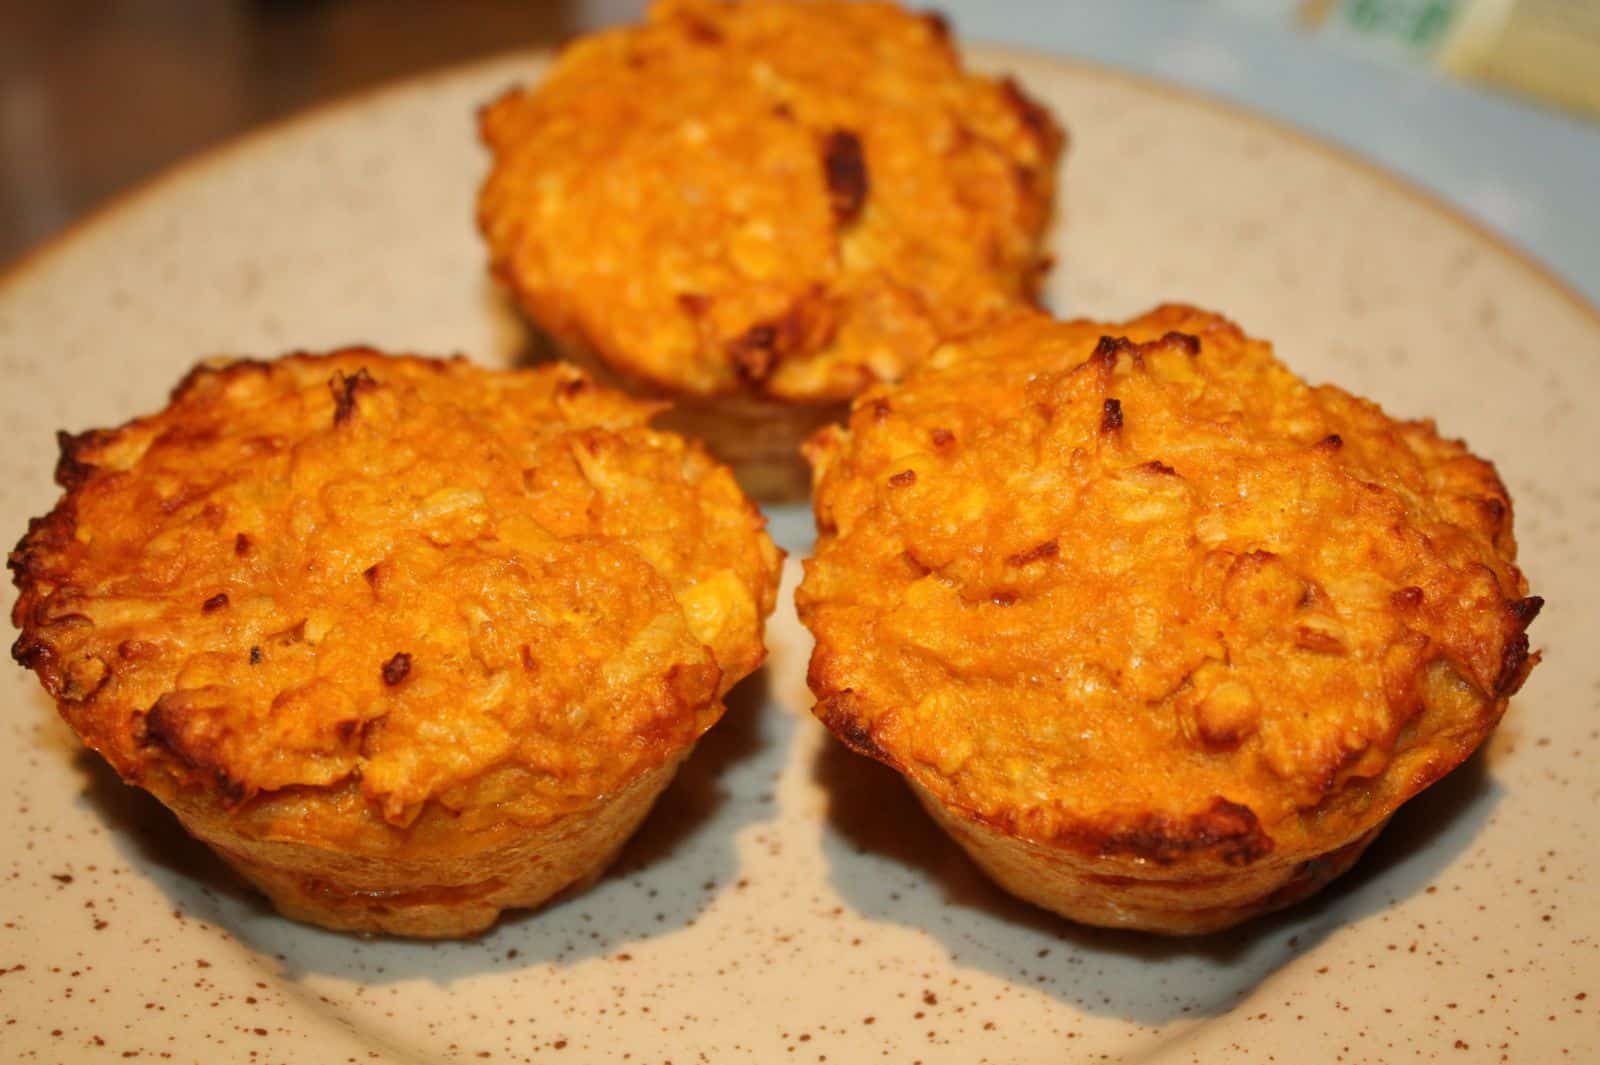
x=760, y=208
x=407, y=641
x=1160, y=633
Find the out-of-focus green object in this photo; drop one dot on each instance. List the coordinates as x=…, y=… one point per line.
x=1549, y=49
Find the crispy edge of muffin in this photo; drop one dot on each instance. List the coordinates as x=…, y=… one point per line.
x=179, y=777
x=807, y=326
x=1226, y=837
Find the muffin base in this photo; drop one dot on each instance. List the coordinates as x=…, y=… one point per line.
x=757, y=437
x=1164, y=901
x=432, y=898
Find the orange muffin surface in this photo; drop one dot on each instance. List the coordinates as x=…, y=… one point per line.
x=350, y=595
x=1137, y=591
x=784, y=198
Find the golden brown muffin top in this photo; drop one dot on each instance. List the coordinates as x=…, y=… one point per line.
x=1138, y=590
x=791, y=197
x=392, y=580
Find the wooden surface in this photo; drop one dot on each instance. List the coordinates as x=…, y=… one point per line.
x=97, y=95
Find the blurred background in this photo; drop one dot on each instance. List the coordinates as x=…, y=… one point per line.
x=98, y=95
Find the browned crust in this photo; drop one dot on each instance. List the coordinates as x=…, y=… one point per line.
x=1164, y=898
x=179, y=674
x=877, y=226
x=845, y=165
x=1449, y=670
x=1226, y=832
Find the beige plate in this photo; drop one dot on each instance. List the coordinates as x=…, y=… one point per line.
x=788, y=901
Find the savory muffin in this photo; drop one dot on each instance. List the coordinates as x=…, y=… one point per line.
x=407, y=641
x=759, y=208
x=1159, y=632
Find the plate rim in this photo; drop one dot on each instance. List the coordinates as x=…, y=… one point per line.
x=986, y=54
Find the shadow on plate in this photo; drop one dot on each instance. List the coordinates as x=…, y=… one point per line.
x=879, y=831
x=636, y=898
x=152, y=838
x=536, y=347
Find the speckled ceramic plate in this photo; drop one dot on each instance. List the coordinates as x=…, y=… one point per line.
x=788, y=901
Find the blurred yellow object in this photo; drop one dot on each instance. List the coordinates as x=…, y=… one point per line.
x=1548, y=49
